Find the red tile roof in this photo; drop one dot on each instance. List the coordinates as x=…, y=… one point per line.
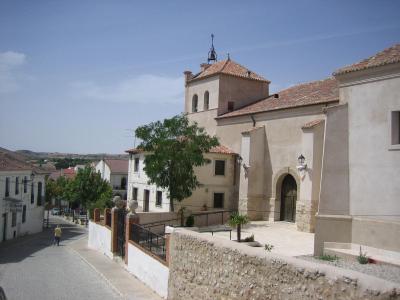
x=388, y=56
x=221, y=150
x=316, y=92
x=312, y=124
x=228, y=67
x=68, y=173
x=117, y=165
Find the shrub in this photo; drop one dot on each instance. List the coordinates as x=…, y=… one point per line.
x=249, y=238
x=328, y=257
x=237, y=220
x=268, y=247
x=362, y=257
x=190, y=221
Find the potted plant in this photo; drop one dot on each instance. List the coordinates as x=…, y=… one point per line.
x=237, y=220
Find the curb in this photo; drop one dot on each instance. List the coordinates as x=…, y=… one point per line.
x=114, y=288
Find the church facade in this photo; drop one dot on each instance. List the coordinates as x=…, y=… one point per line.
x=324, y=154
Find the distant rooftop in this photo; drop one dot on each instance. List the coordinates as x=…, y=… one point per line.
x=117, y=165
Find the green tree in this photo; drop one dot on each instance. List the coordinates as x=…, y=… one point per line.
x=174, y=147
x=89, y=190
x=237, y=220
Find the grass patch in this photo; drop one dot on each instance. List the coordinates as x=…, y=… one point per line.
x=328, y=257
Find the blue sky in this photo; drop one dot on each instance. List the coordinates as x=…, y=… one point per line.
x=76, y=76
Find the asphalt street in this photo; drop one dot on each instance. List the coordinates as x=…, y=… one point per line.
x=32, y=267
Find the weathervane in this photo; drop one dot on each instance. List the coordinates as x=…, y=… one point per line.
x=212, y=55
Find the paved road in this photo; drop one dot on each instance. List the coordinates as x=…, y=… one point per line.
x=32, y=268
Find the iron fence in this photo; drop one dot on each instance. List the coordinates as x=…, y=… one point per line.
x=201, y=219
x=148, y=240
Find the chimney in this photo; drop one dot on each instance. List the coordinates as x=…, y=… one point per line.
x=204, y=67
x=188, y=75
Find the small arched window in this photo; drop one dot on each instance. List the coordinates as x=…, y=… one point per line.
x=206, y=100
x=195, y=102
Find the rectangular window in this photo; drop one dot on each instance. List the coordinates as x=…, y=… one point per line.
x=159, y=198
x=395, y=127
x=7, y=193
x=218, y=200
x=25, y=185
x=39, y=194
x=136, y=165
x=231, y=105
x=134, y=193
x=32, y=194
x=219, y=167
x=24, y=214
x=13, y=219
x=16, y=185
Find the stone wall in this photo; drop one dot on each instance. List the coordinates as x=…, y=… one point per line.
x=202, y=267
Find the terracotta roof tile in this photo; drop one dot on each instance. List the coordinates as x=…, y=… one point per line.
x=67, y=173
x=221, y=150
x=316, y=92
x=312, y=124
x=117, y=165
x=388, y=56
x=228, y=67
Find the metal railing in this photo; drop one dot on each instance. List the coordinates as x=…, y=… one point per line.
x=201, y=219
x=148, y=240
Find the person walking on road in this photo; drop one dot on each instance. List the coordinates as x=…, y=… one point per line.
x=57, y=235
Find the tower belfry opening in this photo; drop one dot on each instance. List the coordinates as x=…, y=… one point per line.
x=212, y=54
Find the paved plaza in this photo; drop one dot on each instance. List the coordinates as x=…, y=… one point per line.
x=32, y=268
x=284, y=236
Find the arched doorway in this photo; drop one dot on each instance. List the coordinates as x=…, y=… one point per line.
x=288, y=199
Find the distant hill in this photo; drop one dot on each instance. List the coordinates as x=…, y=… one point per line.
x=54, y=155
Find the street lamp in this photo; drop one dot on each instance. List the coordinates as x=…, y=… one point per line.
x=302, y=165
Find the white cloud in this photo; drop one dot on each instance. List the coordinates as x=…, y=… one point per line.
x=140, y=89
x=9, y=63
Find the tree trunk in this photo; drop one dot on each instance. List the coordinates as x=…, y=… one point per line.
x=171, y=205
x=238, y=229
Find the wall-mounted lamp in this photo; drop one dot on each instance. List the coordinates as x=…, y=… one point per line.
x=302, y=165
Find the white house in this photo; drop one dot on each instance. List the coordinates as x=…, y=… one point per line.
x=218, y=187
x=115, y=171
x=22, y=196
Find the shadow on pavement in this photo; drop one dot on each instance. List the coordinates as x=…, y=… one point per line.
x=18, y=249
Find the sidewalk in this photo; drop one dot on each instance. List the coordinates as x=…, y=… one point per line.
x=125, y=284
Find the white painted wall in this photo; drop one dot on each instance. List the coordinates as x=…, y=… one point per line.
x=201, y=196
x=149, y=270
x=34, y=213
x=100, y=238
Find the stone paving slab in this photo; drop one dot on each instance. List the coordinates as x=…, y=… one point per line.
x=128, y=286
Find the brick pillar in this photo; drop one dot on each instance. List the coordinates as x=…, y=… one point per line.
x=131, y=218
x=96, y=215
x=106, y=212
x=167, y=247
x=114, y=225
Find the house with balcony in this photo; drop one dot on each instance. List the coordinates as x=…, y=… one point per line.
x=22, y=196
x=115, y=171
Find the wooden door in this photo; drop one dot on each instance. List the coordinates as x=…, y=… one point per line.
x=288, y=199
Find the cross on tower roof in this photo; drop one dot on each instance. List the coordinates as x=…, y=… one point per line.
x=212, y=55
